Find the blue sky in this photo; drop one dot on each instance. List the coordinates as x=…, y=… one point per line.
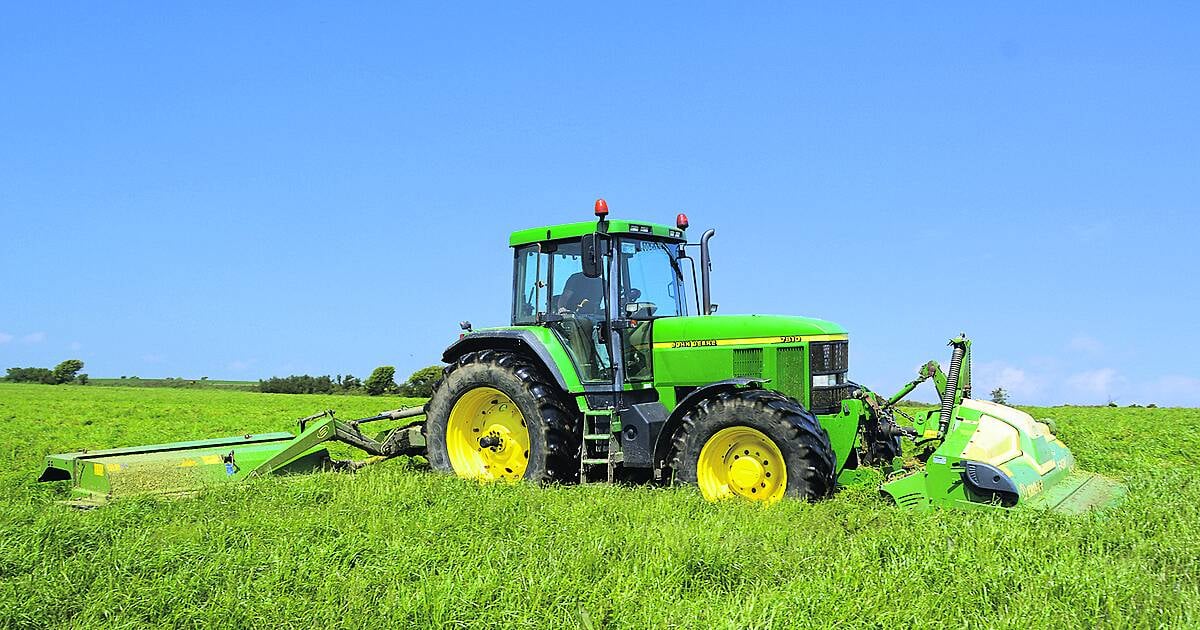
x=247, y=190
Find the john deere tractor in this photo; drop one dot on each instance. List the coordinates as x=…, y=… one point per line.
x=610, y=371
x=617, y=367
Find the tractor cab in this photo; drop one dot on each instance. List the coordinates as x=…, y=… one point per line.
x=599, y=286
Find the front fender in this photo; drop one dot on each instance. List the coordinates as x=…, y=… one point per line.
x=662, y=445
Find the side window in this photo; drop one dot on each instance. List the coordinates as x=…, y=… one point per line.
x=636, y=344
x=652, y=276
x=572, y=292
x=529, y=288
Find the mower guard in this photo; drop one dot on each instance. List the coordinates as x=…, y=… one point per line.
x=186, y=467
x=995, y=456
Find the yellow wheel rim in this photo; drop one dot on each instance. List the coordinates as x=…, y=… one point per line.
x=741, y=462
x=486, y=436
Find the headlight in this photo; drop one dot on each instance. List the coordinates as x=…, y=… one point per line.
x=828, y=380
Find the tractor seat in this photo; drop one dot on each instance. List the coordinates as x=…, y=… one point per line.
x=579, y=288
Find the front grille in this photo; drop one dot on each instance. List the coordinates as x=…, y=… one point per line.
x=829, y=357
x=789, y=368
x=827, y=400
x=748, y=363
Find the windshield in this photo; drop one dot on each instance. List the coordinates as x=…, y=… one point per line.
x=651, y=278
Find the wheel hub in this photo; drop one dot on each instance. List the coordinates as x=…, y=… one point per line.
x=741, y=461
x=487, y=437
x=746, y=472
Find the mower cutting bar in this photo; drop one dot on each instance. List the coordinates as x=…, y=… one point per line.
x=1079, y=492
x=188, y=466
x=59, y=461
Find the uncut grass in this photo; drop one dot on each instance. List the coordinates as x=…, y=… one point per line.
x=396, y=545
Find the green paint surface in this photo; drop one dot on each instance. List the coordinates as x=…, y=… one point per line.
x=575, y=230
x=740, y=326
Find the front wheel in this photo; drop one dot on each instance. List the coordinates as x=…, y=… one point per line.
x=754, y=444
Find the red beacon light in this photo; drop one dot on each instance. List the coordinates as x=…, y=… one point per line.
x=681, y=221
x=601, y=208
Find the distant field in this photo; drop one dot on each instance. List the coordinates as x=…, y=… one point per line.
x=182, y=383
x=397, y=546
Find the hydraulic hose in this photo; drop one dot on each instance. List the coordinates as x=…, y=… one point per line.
x=951, y=391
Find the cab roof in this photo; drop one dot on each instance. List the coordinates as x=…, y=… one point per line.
x=575, y=230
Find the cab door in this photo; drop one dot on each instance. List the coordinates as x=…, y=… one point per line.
x=651, y=287
x=577, y=307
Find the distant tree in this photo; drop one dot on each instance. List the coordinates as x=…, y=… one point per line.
x=65, y=372
x=304, y=384
x=351, y=383
x=82, y=378
x=420, y=383
x=381, y=381
x=30, y=375
x=1000, y=396
x=204, y=378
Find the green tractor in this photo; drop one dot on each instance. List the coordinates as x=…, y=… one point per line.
x=616, y=367
x=609, y=371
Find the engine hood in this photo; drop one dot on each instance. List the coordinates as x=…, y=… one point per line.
x=748, y=329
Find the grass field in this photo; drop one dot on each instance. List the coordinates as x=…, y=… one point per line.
x=182, y=383
x=395, y=546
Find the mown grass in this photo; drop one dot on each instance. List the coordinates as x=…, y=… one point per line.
x=396, y=546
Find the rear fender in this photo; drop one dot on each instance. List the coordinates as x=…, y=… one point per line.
x=539, y=344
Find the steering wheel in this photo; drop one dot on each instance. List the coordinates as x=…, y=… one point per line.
x=578, y=309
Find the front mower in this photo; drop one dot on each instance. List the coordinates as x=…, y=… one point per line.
x=975, y=453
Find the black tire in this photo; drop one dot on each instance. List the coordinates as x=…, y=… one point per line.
x=801, y=439
x=552, y=425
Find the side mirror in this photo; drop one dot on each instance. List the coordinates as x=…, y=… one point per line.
x=592, y=255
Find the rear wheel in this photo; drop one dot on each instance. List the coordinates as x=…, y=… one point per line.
x=497, y=416
x=754, y=444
